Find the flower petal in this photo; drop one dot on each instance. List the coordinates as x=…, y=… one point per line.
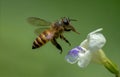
x=95, y=31
x=73, y=56
x=84, y=43
x=96, y=40
x=84, y=58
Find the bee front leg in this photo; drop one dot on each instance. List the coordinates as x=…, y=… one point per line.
x=62, y=37
x=54, y=42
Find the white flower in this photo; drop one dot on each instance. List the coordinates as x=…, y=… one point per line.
x=83, y=53
x=94, y=41
x=91, y=50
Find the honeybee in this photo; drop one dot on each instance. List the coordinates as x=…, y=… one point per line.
x=53, y=31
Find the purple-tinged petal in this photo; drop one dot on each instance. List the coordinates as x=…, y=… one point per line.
x=73, y=56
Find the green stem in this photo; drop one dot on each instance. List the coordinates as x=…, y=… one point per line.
x=109, y=64
x=111, y=67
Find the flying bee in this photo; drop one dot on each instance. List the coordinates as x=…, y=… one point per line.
x=54, y=31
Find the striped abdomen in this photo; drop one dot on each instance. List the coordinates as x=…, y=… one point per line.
x=42, y=39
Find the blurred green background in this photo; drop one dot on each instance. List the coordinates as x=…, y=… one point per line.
x=17, y=59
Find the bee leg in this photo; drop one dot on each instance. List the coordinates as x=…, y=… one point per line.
x=67, y=30
x=54, y=42
x=62, y=37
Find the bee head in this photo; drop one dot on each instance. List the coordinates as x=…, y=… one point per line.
x=65, y=21
x=67, y=26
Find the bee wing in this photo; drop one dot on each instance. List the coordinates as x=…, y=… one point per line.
x=40, y=30
x=38, y=21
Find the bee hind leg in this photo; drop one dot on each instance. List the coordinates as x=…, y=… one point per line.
x=62, y=37
x=54, y=42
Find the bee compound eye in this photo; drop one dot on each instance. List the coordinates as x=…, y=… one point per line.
x=66, y=22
